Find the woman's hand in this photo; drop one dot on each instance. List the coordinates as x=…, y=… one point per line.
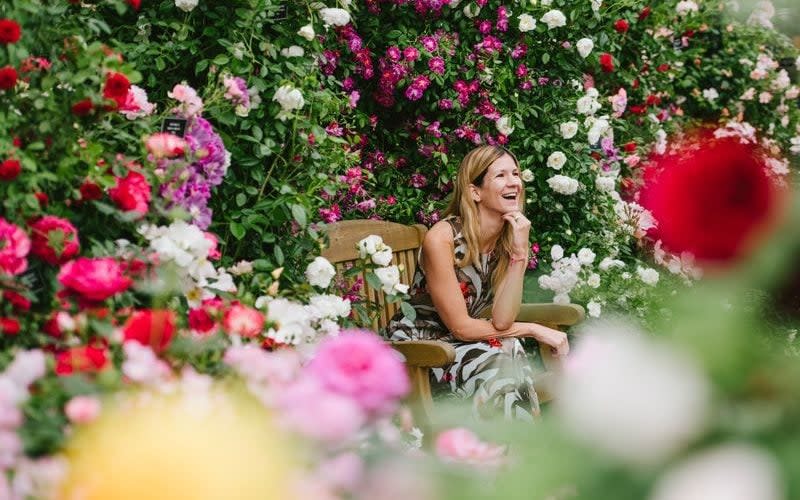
x=521, y=228
x=557, y=340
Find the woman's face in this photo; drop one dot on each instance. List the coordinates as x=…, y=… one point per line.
x=501, y=190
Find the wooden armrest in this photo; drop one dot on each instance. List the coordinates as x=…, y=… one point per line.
x=426, y=353
x=546, y=313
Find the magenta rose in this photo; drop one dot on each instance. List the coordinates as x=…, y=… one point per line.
x=94, y=279
x=358, y=364
x=14, y=247
x=54, y=240
x=132, y=193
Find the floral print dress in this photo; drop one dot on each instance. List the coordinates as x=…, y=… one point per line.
x=495, y=374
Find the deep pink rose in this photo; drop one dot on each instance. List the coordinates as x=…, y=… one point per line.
x=463, y=446
x=14, y=247
x=132, y=193
x=54, y=240
x=360, y=365
x=95, y=279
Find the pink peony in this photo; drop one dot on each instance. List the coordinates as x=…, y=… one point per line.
x=94, y=279
x=243, y=320
x=14, y=247
x=360, y=365
x=461, y=445
x=165, y=145
x=131, y=193
x=54, y=240
x=306, y=407
x=82, y=409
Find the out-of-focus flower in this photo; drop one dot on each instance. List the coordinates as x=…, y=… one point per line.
x=461, y=445
x=320, y=272
x=526, y=22
x=307, y=32
x=116, y=88
x=290, y=99
x=503, y=125
x=563, y=184
x=606, y=62
x=136, y=104
x=661, y=403
x=8, y=78
x=10, y=31
x=151, y=327
x=685, y=7
x=131, y=193
x=191, y=104
x=556, y=160
x=165, y=145
x=10, y=169
x=554, y=19
x=186, y=5
x=82, y=359
x=82, y=409
x=54, y=240
x=243, y=320
x=584, y=46
x=334, y=16
x=14, y=248
x=569, y=129
x=94, y=279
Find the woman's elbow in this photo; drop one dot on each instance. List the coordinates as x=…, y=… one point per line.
x=502, y=324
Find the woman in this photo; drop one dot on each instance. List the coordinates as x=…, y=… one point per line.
x=472, y=259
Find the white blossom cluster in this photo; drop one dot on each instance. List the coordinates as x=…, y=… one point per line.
x=374, y=249
x=296, y=323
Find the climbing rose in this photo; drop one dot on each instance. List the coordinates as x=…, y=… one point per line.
x=54, y=240
x=131, y=193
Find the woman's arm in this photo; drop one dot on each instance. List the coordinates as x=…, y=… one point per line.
x=508, y=295
x=438, y=260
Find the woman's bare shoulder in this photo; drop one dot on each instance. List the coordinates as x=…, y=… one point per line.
x=440, y=233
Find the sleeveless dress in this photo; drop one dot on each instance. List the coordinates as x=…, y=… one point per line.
x=496, y=373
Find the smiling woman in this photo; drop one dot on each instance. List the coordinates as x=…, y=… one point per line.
x=471, y=261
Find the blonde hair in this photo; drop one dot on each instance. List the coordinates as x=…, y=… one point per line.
x=472, y=170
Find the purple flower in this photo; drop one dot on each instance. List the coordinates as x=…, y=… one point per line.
x=485, y=27
x=410, y=54
x=522, y=71
x=393, y=53
x=519, y=51
x=436, y=64
x=418, y=180
x=429, y=43
x=366, y=205
x=445, y=104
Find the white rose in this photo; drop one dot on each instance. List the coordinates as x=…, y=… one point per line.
x=369, y=245
x=593, y=280
x=527, y=175
x=563, y=185
x=382, y=257
x=561, y=299
x=593, y=308
x=604, y=184
x=554, y=19
x=569, y=129
x=390, y=279
x=289, y=98
x=586, y=256
x=503, y=125
x=526, y=22
x=556, y=253
x=711, y=94
x=733, y=471
x=587, y=105
x=293, y=51
x=186, y=5
x=598, y=129
x=585, y=46
x=596, y=4
x=797, y=63
x=556, y=160
x=334, y=16
x=320, y=272
x=648, y=276
x=609, y=263
x=795, y=145
x=471, y=10
x=307, y=32
x=686, y=6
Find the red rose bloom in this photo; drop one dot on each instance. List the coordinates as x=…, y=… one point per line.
x=54, y=240
x=200, y=321
x=93, y=279
x=9, y=326
x=712, y=201
x=9, y=169
x=82, y=107
x=607, y=62
x=8, y=78
x=83, y=359
x=645, y=13
x=135, y=4
x=151, y=327
x=621, y=26
x=17, y=301
x=10, y=31
x=132, y=193
x=662, y=68
x=90, y=191
x=629, y=147
x=116, y=87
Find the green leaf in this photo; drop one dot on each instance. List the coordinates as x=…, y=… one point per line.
x=545, y=58
x=374, y=281
x=241, y=199
x=408, y=311
x=279, y=258
x=237, y=230
x=299, y=214
x=221, y=59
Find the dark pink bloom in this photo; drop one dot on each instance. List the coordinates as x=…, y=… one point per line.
x=95, y=279
x=461, y=445
x=429, y=43
x=418, y=180
x=14, y=247
x=436, y=64
x=393, y=53
x=131, y=193
x=54, y=240
x=410, y=54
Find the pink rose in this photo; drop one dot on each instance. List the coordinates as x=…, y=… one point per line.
x=14, y=247
x=306, y=407
x=54, y=240
x=213, y=252
x=164, y=145
x=131, y=193
x=463, y=446
x=95, y=279
x=82, y=409
x=243, y=320
x=358, y=364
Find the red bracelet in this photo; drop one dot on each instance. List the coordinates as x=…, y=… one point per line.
x=512, y=260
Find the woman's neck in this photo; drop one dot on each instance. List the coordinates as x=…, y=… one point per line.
x=490, y=225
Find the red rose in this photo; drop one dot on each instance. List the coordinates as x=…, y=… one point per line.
x=714, y=201
x=83, y=359
x=94, y=279
x=200, y=321
x=132, y=193
x=17, y=301
x=638, y=110
x=90, y=191
x=54, y=240
x=8, y=78
x=645, y=13
x=9, y=169
x=42, y=198
x=116, y=87
x=151, y=327
x=135, y=4
x=9, y=326
x=621, y=26
x=82, y=107
x=653, y=100
x=607, y=62
x=629, y=147
x=662, y=68
x=9, y=31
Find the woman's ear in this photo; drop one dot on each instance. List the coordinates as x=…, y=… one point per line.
x=474, y=193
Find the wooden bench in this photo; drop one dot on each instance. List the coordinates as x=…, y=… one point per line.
x=422, y=355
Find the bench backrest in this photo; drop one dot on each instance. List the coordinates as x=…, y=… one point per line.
x=404, y=240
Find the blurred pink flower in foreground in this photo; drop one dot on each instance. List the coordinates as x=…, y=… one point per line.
x=461, y=445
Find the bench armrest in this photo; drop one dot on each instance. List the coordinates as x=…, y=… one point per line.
x=552, y=314
x=426, y=353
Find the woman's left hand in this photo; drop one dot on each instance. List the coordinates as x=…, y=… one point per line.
x=521, y=228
